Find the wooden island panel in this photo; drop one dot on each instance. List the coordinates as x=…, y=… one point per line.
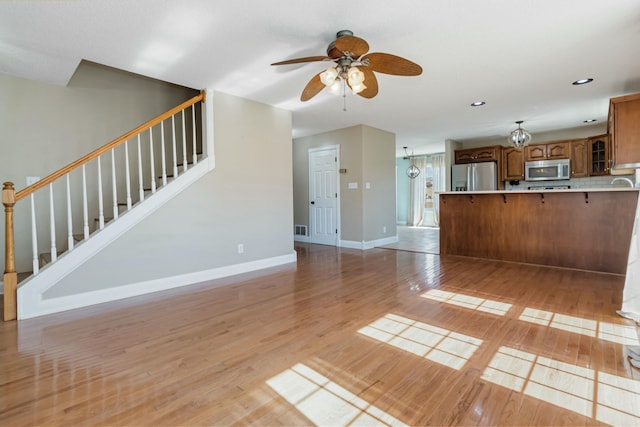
x=581, y=230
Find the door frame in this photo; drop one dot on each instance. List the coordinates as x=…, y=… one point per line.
x=312, y=151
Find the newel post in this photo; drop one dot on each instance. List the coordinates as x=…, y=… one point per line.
x=10, y=275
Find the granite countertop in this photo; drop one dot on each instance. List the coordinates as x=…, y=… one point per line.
x=572, y=190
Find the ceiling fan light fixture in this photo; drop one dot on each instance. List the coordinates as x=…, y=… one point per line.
x=357, y=88
x=519, y=137
x=328, y=76
x=335, y=88
x=355, y=76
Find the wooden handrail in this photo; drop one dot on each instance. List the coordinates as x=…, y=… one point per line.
x=99, y=151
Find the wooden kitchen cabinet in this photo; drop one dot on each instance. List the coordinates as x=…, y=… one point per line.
x=579, y=158
x=550, y=150
x=624, y=131
x=474, y=155
x=512, y=164
x=598, y=155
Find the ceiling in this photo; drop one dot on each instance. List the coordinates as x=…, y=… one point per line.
x=519, y=56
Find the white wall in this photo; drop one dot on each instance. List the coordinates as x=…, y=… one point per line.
x=246, y=199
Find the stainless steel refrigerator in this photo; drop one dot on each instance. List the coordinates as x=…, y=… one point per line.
x=474, y=177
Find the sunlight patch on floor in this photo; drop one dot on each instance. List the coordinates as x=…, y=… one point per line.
x=467, y=301
x=608, y=398
x=621, y=334
x=324, y=402
x=431, y=342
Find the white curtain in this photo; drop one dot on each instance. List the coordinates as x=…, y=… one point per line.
x=439, y=182
x=631, y=291
x=417, y=193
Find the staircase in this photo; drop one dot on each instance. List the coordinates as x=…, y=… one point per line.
x=79, y=209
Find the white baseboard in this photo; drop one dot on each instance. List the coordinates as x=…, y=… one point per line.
x=33, y=305
x=302, y=239
x=364, y=245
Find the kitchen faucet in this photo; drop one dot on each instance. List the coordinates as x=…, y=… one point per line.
x=623, y=179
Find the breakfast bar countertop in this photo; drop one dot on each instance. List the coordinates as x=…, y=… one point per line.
x=571, y=190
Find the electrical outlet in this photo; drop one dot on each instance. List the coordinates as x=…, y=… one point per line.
x=384, y=229
x=240, y=248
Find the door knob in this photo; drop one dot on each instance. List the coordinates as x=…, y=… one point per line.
x=313, y=203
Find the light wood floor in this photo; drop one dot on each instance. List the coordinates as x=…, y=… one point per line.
x=344, y=337
x=417, y=239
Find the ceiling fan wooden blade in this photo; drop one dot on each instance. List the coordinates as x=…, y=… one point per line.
x=371, y=82
x=312, y=88
x=392, y=64
x=353, y=44
x=301, y=60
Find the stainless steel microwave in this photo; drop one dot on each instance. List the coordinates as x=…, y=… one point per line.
x=547, y=170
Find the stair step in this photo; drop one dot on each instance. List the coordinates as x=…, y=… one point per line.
x=24, y=275
x=44, y=258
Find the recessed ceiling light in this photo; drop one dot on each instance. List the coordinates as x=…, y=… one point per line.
x=589, y=120
x=477, y=103
x=582, y=81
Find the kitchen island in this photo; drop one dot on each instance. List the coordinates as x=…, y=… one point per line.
x=586, y=229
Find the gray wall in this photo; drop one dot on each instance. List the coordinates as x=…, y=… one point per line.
x=368, y=155
x=379, y=198
x=45, y=127
x=246, y=199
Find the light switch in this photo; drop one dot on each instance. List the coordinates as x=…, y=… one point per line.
x=32, y=180
x=367, y=185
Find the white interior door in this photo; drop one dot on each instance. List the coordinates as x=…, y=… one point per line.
x=323, y=196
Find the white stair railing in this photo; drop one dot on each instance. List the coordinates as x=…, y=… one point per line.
x=81, y=205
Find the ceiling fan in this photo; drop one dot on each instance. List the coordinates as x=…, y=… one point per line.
x=354, y=68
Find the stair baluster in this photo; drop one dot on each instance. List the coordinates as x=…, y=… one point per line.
x=164, y=157
x=114, y=184
x=193, y=140
x=184, y=145
x=127, y=174
x=85, y=204
x=140, y=180
x=100, y=201
x=52, y=220
x=34, y=237
x=69, y=217
x=173, y=145
x=153, y=162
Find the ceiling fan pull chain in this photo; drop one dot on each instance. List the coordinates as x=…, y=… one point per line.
x=344, y=95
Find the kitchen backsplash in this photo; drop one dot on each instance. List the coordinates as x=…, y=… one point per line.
x=576, y=183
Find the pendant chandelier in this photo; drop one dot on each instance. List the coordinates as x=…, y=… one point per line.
x=519, y=137
x=412, y=171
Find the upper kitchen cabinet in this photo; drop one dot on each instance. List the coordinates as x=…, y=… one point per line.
x=475, y=155
x=624, y=131
x=579, y=158
x=512, y=164
x=550, y=150
x=599, y=159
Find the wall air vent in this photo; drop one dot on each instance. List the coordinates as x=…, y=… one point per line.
x=300, y=230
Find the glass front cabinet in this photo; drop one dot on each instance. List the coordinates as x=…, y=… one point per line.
x=599, y=155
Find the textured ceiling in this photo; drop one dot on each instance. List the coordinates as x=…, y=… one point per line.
x=520, y=56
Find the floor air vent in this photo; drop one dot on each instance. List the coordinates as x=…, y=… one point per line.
x=300, y=230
